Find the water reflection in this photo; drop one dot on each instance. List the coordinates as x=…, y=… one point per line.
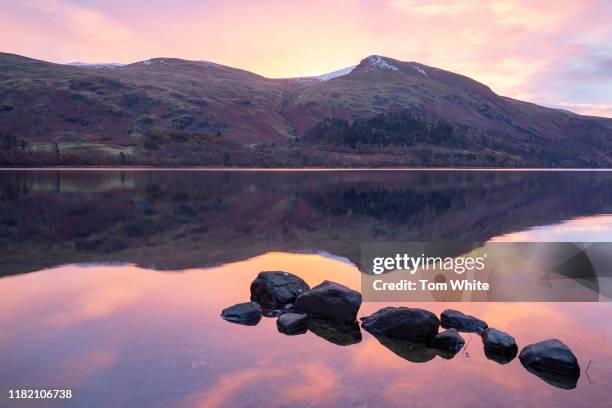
x=500, y=358
x=413, y=352
x=341, y=334
x=74, y=326
x=55, y=218
x=121, y=332
x=559, y=380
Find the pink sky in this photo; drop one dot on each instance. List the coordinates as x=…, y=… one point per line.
x=556, y=53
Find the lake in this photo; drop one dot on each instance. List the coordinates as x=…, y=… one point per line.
x=112, y=283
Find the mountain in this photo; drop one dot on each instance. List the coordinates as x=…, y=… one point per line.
x=387, y=112
x=329, y=75
x=96, y=65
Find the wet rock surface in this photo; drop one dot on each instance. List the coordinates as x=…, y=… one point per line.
x=330, y=300
x=292, y=323
x=275, y=289
x=248, y=313
x=449, y=341
x=412, y=324
x=499, y=346
x=464, y=323
x=553, y=362
x=329, y=311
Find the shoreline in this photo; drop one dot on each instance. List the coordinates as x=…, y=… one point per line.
x=306, y=169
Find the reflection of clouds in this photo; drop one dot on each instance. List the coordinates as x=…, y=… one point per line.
x=597, y=228
x=151, y=322
x=77, y=370
x=92, y=306
x=397, y=380
x=318, y=378
x=517, y=313
x=302, y=383
x=374, y=356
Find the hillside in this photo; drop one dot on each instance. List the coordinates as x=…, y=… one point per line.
x=176, y=112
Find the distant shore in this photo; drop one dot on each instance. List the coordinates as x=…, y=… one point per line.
x=300, y=169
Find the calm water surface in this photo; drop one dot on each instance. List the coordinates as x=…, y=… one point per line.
x=112, y=282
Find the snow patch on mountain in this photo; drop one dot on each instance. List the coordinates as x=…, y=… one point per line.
x=95, y=66
x=328, y=76
x=336, y=74
x=154, y=61
x=420, y=70
x=379, y=63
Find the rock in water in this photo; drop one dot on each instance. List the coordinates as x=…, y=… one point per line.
x=330, y=300
x=464, y=323
x=292, y=323
x=248, y=313
x=412, y=324
x=498, y=345
x=553, y=362
x=449, y=341
x=275, y=289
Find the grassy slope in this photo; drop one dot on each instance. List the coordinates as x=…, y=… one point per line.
x=209, y=114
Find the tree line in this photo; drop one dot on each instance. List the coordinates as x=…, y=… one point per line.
x=394, y=128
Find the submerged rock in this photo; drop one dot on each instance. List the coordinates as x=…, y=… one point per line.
x=412, y=324
x=292, y=323
x=340, y=334
x=498, y=345
x=464, y=323
x=449, y=342
x=248, y=313
x=275, y=289
x=553, y=362
x=330, y=300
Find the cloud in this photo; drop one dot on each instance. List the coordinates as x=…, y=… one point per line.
x=85, y=22
x=421, y=8
x=534, y=15
x=594, y=109
x=545, y=52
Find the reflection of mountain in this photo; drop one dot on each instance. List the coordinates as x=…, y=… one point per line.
x=177, y=220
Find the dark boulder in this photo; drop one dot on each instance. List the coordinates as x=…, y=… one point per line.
x=454, y=319
x=273, y=313
x=340, y=334
x=412, y=324
x=553, y=362
x=248, y=313
x=449, y=341
x=330, y=300
x=292, y=323
x=498, y=345
x=275, y=289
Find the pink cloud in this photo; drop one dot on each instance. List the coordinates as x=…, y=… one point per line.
x=528, y=49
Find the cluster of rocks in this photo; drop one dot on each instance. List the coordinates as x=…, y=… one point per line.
x=330, y=309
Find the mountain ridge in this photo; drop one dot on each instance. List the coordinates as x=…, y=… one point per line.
x=163, y=102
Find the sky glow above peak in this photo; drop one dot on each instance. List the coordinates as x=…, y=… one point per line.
x=554, y=53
